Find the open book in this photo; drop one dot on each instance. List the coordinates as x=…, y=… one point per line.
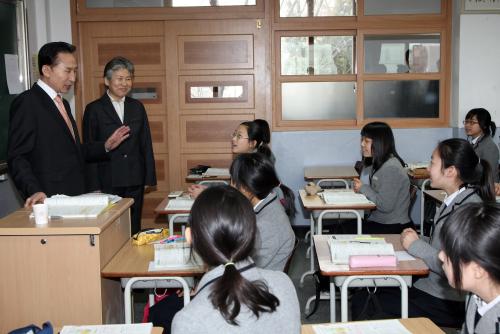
x=342, y=247
x=216, y=172
x=344, y=197
x=180, y=203
x=84, y=206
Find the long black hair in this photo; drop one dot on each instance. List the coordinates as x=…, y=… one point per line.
x=472, y=170
x=255, y=173
x=471, y=234
x=259, y=131
x=223, y=231
x=484, y=119
x=383, y=145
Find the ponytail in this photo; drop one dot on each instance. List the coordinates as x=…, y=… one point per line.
x=485, y=184
x=288, y=201
x=265, y=150
x=493, y=128
x=232, y=289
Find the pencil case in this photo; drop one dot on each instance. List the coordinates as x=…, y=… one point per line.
x=149, y=235
x=358, y=261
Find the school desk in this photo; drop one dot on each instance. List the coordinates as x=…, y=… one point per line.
x=315, y=203
x=313, y=173
x=414, y=325
x=53, y=272
x=365, y=277
x=172, y=214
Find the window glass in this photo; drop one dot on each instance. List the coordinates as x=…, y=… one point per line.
x=210, y=92
x=388, y=7
x=318, y=100
x=316, y=55
x=402, y=53
x=311, y=8
x=402, y=99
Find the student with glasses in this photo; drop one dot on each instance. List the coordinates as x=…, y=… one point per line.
x=480, y=130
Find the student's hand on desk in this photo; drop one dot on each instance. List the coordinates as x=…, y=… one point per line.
x=356, y=184
x=120, y=134
x=497, y=189
x=195, y=190
x=38, y=197
x=408, y=236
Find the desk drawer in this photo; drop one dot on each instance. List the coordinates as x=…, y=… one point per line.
x=114, y=237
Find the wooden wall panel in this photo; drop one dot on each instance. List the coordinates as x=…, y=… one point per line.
x=158, y=127
x=161, y=165
x=215, y=52
x=246, y=100
x=209, y=131
x=151, y=201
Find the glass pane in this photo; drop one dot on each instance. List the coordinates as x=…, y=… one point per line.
x=402, y=53
x=166, y=3
x=143, y=93
x=311, y=8
x=210, y=92
x=318, y=100
x=387, y=7
x=403, y=99
x=316, y=55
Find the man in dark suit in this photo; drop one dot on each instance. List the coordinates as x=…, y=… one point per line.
x=131, y=166
x=44, y=153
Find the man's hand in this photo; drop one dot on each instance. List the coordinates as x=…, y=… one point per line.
x=38, y=197
x=120, y=134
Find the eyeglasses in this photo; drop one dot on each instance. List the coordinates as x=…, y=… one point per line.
x=470, y=122
x=238, y=136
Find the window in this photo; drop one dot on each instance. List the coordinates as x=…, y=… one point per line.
x=342, y=63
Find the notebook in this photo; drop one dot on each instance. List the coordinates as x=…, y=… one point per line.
x=180, y=204
x=85, y=206
x=344, y=197
x=216, y=172
x=342, y=249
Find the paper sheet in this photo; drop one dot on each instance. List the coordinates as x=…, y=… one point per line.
x=374, y=327
x=109, y=329
x=13, y=75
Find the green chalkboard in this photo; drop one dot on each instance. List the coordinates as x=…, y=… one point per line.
x=8, y=45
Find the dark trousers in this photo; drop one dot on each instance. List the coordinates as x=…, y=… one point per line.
x=371, y=227
x=137, y=193
x=443, y=312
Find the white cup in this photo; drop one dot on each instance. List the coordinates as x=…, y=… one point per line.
x=41, y=213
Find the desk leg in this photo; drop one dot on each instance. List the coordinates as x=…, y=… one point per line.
x=333, y=300
x=311, y=271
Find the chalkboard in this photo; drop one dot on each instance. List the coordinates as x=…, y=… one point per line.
x=8, y=45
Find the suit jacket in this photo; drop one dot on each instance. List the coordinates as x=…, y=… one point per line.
x=436, y=284
x=41, y=152
x=130, y=164
x=488, y=324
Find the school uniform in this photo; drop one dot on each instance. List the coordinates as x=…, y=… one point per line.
x=275, y=238
x=389, y=189
x=486, y=149
x=482, y=318
x=200, y=316
x=430, y=296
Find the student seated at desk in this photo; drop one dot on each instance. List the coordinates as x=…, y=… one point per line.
x=235, y=296
x=465, y=178
x=471, y=262
x=480, y=130
x=248, y=137
x=254, y=176
x=388, y=185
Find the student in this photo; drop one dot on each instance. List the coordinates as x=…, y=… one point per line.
x=480, y=130
x=248, y=137
x=471, y=262
x=388, y=185
x=235, y=296
x=253, y=174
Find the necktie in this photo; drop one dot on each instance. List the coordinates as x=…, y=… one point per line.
x=64, y=114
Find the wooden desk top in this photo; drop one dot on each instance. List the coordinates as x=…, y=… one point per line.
x=329, y=172
x=133, y=261
x=161, y=209
x=19, y=223
x=437, y=194
x=420, y=174
x=416, y=267
x=316, y=203
x=414, y=325
x=197, y=178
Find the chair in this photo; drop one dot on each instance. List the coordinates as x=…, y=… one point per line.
x=176, y=218
x=289, y=260
x=149, y=282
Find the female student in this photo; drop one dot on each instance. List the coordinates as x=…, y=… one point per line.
x=471, y=262
x=235, y=296
x=480, y=130
x=388, y=185
x=253, y=174
x=249, y=137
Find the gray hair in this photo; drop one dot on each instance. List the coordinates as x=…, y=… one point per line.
x=118, y=63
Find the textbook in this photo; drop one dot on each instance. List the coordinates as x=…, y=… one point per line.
x=344, y=246
x=180, y=203
x=84, y=206
x=144, y=328
x=216, y=172
x=344, y=197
